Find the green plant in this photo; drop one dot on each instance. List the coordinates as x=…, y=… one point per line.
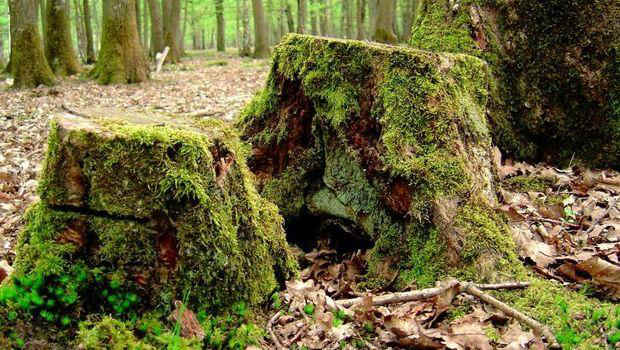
x=339, y=318
x=309, y=309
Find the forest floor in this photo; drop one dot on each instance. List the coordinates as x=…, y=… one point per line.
x=565, y=221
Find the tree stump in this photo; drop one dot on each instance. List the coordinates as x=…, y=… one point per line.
x=392, y=143
x=150, y=209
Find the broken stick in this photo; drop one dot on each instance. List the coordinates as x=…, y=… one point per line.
x=273, y=334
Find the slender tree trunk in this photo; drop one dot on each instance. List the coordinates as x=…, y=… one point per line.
x=407, y=20
x=28, y=65
x=80, y=30
x=324, y=18
x=90, y=46
x=145, y=25
x=361, y=19
x=372, y=17
x=42, y=7
x=59, y=49
x=314, y=26
x=384, y=30
x=183, y=30
x=157, y=28
x=281, y=15
x=2, y=60
x=395, y=18
x=273, y=29
x=245, y=49
x=221, y=26
x=302, y=6
x=347, y=19
x=121, y=59
x=172, y=28
x=238, y=25
x=97, y=33
x=289, y=17
x=261, y=43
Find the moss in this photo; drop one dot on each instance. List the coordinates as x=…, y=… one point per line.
x=579, y=322
x=525, y=183
x=109, y=334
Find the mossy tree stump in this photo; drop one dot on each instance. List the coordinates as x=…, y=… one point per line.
x=391, y=142
x=159, y=212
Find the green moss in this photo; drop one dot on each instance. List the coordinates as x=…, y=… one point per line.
x=525, y=183
x=109, y=334
x=578, y=322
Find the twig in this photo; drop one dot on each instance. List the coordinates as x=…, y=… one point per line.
x=558, y=222
x=298, y=335
x=276, y=340
x=508, y=285
x=471, y=289
x=73, y=111
x=402, y=296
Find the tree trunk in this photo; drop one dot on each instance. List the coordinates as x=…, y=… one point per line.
x=407, y=20
x=238, y=25
x=121, y=59
x=289, y=17
x=59, y=49
x=79, y=29
x=246, y=49
x=395, y=18
x=172, y=29
x=2, y=60
x=27, y=65
x=361, y=19
x=324, y=18
x=348, y=18
x=314, y=25
x=221, y=26
x=42, y=7
x=301, y=16
x=157, y=28
x=384, y=27
x=261, y=43
x=90, y=45
x=372, y=17
x=183, y=29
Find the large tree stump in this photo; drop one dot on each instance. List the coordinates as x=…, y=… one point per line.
x=162, y=208
x=391, y=142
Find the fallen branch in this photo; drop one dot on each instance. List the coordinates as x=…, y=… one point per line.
x=508, y=286
x=401, y=296
x=275, y=338
x=539, y=328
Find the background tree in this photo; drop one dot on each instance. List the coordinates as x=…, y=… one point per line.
x=261, y=41
x=122, y=58
x=157, y=28
x=384, y=27
x=59, y=49
x=361, y=19
x=245, y=47
x=172, y=29
x=221, y=26
x=28, y=65
x=301, y=16
x=324, y=17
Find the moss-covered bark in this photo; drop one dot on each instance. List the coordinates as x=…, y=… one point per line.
x=59, y=49
x=555, y=72
x=390, y=140
x=28, y=65
x=148, y=214
x=121, y=58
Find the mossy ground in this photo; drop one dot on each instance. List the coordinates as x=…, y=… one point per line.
x=541, y=57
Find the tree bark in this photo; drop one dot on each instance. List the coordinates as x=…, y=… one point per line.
x=384, y=28
x=302, y=6
x=79, y=29
x=183, y=29
x=122, y=58
x=261, y=43
x=2, y=60
x=27, y=65
x=88, y=28
x=407, y=19
x=59, y=50
x=221, y=26
x=361, y=19
x=372, y=18
x=139, y=21
x=157, y=28
x=348, y=18
x=172, y=29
